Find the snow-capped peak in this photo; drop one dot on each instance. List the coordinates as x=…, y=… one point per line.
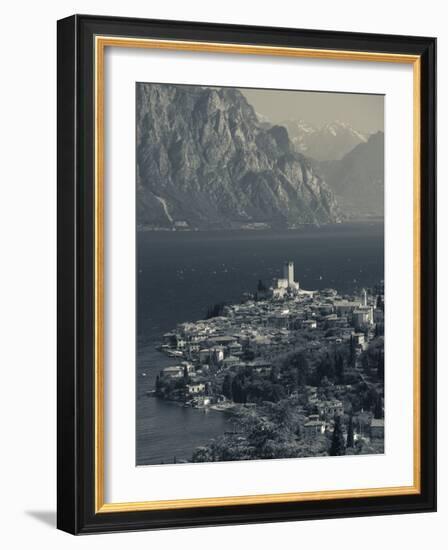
x=336, y=127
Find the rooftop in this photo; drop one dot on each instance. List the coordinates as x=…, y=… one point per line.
x=377, y=423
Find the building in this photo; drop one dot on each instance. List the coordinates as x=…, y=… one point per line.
x=377, y=428
x=324, y=309
x=193, y=349
x=235, y=348
x=280, y=283
x=358, y=341
x=359, y=319
x=188, y=367
x=205, y=355
x=195, y=388
x=231, y=361
x=330, y=408
x=345, y=307
x=180, y=342
x=173, y=372
x=313, y=428
x=260, y=366
x=221, y=340
x=362, y=316
x=358, y=338
x=279, y=320
x=211, y=355
x=281, y=286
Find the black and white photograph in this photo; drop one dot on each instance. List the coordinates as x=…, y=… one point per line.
x=260, y=274
x=223, y=278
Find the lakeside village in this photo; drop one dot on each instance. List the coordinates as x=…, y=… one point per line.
x=300, y=373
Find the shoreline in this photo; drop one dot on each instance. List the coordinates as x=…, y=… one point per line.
x=262, y=228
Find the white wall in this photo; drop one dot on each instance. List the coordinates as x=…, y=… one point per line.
x=28, y=271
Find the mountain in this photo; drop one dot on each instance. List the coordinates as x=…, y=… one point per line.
x=329, y=142
x=205, y=161
x=263, y=120
x=358, y=179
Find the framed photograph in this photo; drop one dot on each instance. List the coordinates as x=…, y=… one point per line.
x=246, y=274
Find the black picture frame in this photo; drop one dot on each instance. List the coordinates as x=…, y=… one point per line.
x=76, y=392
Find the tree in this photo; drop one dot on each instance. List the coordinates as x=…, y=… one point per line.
x=261, y=287
x=275, y=392
x=350, y=436
x=273, y=375
x=227, y=386
x=378, y=412
x=248, y=354
x=325, y=369
x=302, y=367
x=295, y=369
x=238, y=390
x=339, y=368
x=379, y=330
x=380, y=367
x=352, y=359
x=337, y=443
x=202, y=454
x=380, y=302
x=216, y=310
x=186, y=375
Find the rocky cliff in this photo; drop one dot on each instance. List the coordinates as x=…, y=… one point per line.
x=205, y=161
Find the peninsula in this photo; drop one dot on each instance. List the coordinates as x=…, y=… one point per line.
x=299, y=372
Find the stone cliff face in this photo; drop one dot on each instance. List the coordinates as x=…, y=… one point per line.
x=205, y=161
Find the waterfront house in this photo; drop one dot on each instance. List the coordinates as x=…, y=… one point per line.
x=173, y=372
x=201, y=401
x=180, y=342
x=195, y=388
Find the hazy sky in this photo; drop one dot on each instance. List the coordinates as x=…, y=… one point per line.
x=363, y=111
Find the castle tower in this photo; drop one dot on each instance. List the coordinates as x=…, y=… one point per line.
x=288, y=272
x=364, y=297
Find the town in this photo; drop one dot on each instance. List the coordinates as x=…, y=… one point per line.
x=299, y=372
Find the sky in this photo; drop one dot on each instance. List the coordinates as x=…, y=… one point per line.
x=365, y=112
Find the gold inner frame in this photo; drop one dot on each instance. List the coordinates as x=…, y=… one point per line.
x=101, y=42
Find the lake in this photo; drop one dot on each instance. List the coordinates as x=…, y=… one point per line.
x=180, y=274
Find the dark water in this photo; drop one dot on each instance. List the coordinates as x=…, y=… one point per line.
x=181, y=274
